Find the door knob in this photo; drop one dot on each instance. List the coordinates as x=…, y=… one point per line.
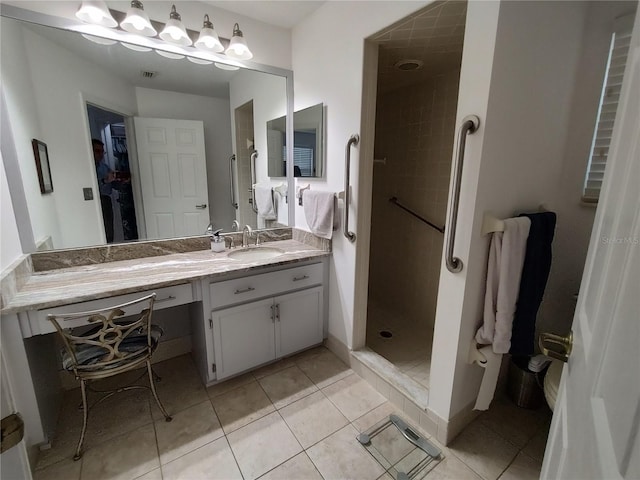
x=556, y=346
x=202, y=206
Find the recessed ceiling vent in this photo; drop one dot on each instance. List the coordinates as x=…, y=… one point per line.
x=408, y=65
x=148, y=74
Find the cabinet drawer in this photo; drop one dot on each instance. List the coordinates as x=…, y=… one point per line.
x=165, y=297
x=244, y=289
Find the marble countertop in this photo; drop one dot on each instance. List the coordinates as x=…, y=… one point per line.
x=89, y=282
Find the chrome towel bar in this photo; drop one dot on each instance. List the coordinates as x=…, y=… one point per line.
x=469, y=125
x=353, y=140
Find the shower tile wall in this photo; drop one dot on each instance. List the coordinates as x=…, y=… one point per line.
x=244, y=132
x=414, y=136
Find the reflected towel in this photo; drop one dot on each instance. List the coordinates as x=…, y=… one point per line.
x=504, y=269
x=264, y=202
x=319, y=210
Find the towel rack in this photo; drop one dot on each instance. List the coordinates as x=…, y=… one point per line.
x=469, y=125
x=353, y=140
x=299, y=192
x=252, y=193
x=232, y=159
x=395, y=201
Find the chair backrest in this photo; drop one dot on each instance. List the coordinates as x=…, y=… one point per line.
x=111, y=341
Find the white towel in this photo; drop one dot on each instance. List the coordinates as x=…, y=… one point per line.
x=264, y=202
x=319, y=210
x=506, y=257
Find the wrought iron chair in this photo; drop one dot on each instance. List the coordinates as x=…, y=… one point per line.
x=116, y=344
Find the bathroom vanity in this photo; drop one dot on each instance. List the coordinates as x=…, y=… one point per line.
x=243, y=313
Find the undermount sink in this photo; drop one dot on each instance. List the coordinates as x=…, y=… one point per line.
x=255, y=253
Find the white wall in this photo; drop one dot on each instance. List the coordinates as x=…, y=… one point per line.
x=270, y=45
x=214, y=112
x=269, y=96
x=328, y=69
x=10, y=248
x=25, y=124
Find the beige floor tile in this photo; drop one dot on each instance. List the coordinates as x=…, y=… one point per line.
x=273, y=368
x=298, y=468
x=118, y=414
x=178, y=392
x=313, y=418
x=263, y=445
x=66, y=469
x=152, y=475
x=516, y=425
x=523, y=468
x=190, y=429
x=353, y=396
x=242, y=406
x=228, y=385
x=386, y=476
x=126, y=457
x=483, y=450
x=536, y=446
x=324, y=368
x=340, y=456
x=369, y=419
x=287, y=386
x=451, y=468
x=213, y=461
x=421, y=373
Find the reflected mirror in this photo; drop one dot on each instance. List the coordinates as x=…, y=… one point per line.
x=186, y=142
x=308, y=141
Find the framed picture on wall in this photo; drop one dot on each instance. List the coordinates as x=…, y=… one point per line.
x=42, y=165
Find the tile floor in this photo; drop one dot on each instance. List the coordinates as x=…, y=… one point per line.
x=296, y=419
x=409, y=349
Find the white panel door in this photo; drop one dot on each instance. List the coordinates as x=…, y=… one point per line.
x=595, y=432
x=173, y=176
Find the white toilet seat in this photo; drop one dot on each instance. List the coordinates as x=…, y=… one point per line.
x=552, y=382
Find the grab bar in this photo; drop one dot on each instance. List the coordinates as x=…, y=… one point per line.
x=347, y=167
x=252, y=165
x=234, y=204
x=469, y=125
x=395, y=201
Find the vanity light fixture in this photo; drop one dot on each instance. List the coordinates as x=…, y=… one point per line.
x=99, y=40
x=170, y=51
x=208, y=40
x=96, y=13
x=199, y=61
x=226, y=66
x=238, y=48
x=174, y=31
x=137, y=21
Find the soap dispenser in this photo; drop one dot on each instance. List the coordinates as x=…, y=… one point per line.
x=217, y=242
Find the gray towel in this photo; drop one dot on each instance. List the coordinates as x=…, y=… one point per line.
x=319, y=210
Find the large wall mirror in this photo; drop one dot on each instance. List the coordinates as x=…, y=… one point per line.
x=308, y=143
x=186, y=141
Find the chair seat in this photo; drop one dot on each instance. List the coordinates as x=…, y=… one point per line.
x=134, y=345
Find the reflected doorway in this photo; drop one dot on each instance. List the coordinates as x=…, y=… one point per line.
x=113, y=172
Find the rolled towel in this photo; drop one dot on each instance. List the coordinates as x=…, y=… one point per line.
x=264, y=202
x=319, y=210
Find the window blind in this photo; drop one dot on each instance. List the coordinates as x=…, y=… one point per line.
x=606, y=115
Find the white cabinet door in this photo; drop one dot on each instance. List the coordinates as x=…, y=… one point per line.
x=298, y=320
x=243, y=337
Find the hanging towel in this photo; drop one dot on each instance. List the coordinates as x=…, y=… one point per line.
x=319, y=210
x=506, y=257
x=264, y=202
x=535, y=272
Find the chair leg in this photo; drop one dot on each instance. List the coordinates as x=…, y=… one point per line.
x=85, y=415
x=167, y=417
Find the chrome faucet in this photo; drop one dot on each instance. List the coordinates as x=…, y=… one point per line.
x=246, y=233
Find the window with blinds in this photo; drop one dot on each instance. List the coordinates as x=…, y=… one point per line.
x=606, y=114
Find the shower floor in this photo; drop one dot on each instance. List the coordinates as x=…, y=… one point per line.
x=409, y=346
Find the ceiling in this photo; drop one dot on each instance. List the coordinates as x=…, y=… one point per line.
x=284, y=13
x=433, y=35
